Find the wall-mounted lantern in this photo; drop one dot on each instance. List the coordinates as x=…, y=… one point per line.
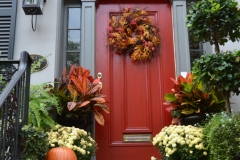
x=33, y=7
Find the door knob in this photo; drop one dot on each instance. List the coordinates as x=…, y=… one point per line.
x=99, y=75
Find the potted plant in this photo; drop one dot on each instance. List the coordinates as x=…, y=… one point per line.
x=177, y=142
x=76, y=139
x=34, y=142
x=191, y=100
x=219, y=70
x=41, y=105
x=214, y=21
x=222, y=136
x=79, y=94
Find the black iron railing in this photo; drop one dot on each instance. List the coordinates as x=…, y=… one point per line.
x=14, y=99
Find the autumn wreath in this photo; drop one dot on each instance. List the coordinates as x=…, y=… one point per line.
x=133, y=33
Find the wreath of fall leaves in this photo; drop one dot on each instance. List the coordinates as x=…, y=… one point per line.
x=133, y=33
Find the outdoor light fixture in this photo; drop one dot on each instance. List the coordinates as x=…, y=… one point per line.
x=33, y=7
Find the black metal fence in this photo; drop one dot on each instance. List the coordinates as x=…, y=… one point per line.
x=14, y=99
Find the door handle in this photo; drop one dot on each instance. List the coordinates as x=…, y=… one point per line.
x=99, y=75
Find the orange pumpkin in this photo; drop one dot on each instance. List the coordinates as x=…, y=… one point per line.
x=61, y=153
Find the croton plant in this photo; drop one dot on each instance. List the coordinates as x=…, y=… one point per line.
x=79, y=93
x=189, y=98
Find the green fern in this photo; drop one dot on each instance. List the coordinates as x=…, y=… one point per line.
x=40, y=101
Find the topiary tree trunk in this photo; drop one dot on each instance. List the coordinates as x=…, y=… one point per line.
x=226, y=97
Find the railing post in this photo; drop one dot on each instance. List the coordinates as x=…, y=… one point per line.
x=14, y=101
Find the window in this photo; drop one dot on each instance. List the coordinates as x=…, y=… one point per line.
x=197, y=49
x=73, y=36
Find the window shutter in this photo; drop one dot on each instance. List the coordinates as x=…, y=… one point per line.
x=8, y=10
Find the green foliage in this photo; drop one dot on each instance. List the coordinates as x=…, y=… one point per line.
x=41, y=101
x=221, y=134
x=219, y=70
x=34, y=142
x=222, y=70
x=214, y=21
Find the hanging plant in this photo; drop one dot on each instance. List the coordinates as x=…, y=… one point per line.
x=133, y=33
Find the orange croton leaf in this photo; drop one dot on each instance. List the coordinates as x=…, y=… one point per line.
x=73, y=91
x=174, y=80
x=72, y=69
x=85, y=72
x=181, y=79
x=189, y=77
x=84, y=84
x=71, y=105
x=169, y=109
x=97, y=80
x=99, y=99
x=102, y=106
x=99, y=117
x=84, y=103
x=94, y=89
x=77, y=83
x=166, y=103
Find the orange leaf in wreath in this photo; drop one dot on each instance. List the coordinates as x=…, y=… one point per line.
x=154, y=30
x=117, y=35
x=155, y=41
x=129, y=31
x=113, y=21
x=134, y=56
x=132, y=40
x=123, y=22
x=143, y=12
x=145, y=55
x=150, y=44
x=147, y=34
x=111, y=41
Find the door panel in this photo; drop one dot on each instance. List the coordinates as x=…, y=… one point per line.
x=134, y=91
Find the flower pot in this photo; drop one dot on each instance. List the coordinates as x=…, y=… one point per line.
x=192, y=119
x=82, y=123
x=236, y=158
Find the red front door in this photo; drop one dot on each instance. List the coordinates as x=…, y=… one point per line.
x=135, y=91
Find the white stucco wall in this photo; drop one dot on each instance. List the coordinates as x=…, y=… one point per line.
x=42, y=41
